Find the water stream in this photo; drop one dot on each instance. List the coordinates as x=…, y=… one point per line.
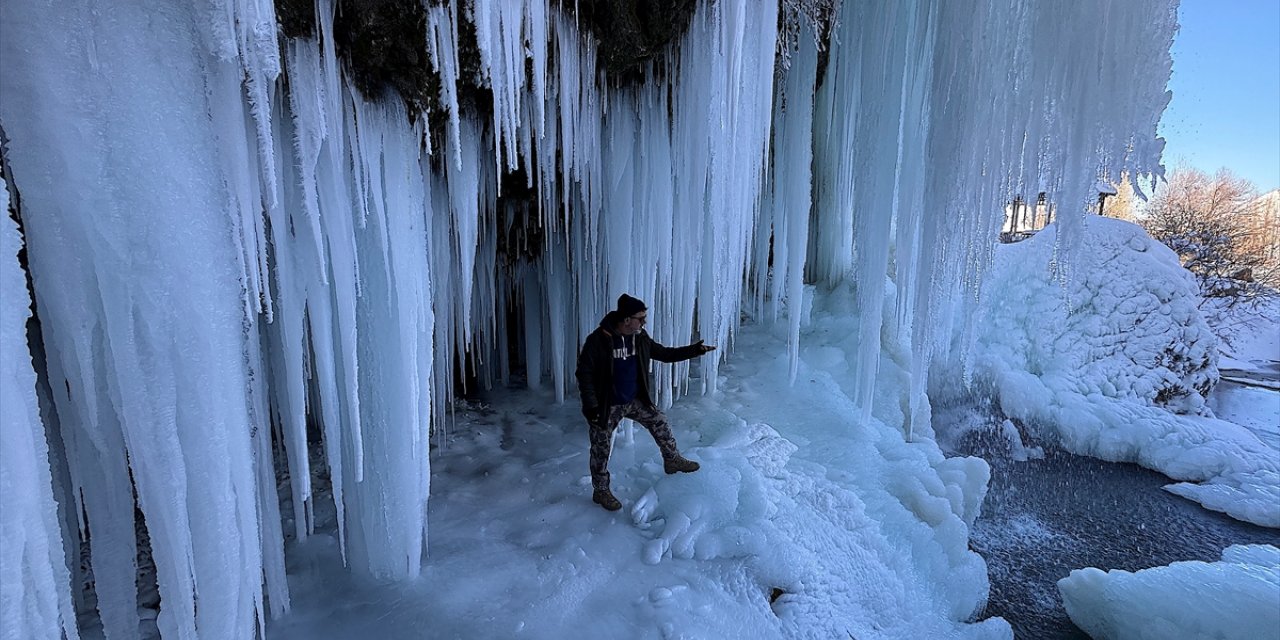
x=1044, y=517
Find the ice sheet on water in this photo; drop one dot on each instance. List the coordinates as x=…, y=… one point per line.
x=1236, y=598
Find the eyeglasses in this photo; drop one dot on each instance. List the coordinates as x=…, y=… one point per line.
x=640, y=319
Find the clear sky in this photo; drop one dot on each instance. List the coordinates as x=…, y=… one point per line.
x=1226, y=90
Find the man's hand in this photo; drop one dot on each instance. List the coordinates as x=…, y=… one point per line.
x=703, y=348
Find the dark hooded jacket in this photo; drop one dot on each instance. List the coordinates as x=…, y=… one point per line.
x=595, y=366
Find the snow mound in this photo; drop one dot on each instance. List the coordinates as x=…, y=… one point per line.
x=1102, y=360
x=718, y=513
x=1238, y=597
x=1124, y=324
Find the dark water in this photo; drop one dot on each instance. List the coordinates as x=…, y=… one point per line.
x=1044, y=518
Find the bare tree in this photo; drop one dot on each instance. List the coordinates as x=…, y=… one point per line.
x=1208, y=221
x=1122, y=205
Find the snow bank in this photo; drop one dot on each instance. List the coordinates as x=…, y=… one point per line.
x=35, y=591
x=861, y=532
x=1236, y=598
x=1123, y=324
x=1249, y=334
x=1101, y=359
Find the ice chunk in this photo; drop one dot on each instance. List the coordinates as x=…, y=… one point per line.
x=1237, y=597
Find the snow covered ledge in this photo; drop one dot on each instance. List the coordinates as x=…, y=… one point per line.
x=1114, y=362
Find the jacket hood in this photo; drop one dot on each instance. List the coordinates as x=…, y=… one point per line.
x=610, y=321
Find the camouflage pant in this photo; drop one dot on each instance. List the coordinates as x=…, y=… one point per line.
x=602, y=437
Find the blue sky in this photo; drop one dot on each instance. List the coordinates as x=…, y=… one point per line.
x=1226, y=90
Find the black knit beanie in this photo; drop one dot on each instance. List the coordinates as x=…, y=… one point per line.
x=628, y=306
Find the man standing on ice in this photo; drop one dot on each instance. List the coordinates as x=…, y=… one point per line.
x=613, y=380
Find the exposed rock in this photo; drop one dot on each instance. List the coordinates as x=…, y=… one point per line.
x=630, y=33
x=383, y=44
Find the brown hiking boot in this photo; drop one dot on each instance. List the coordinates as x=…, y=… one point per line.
x=679, y=463
x=604, y=498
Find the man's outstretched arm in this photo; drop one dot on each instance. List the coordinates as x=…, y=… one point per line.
x=663, y=353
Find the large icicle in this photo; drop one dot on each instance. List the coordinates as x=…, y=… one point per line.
x=133, y=258
x=388, y=518
x=792, y=186
x=35, y=588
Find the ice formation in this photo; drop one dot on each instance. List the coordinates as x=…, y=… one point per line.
x=1097, y=362
x=229, y=243
x=35, y=593
x=1236, y=598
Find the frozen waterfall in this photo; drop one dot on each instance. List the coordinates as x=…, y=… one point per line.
x=231, y=246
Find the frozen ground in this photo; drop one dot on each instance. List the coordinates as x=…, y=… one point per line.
x=801, y=522
x=1255, y=408
x=1249, y=335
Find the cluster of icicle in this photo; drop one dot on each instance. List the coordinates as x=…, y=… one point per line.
x=227, y=241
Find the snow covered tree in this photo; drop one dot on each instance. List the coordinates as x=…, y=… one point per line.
x=1207, y=221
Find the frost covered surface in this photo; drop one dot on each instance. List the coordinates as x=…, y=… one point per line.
x=1249, y=395
x=35, y=595
x=1256, y=409
x=1249, y=334
x=1098, y=360
x=860, y=532
x=1237, y=598
x=224, y=260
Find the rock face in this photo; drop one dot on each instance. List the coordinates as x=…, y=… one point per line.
x=384, y=46
x=632, y=32
x=383, y=42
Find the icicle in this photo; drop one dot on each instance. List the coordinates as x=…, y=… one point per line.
x=793, y=139
x=500, y=38
x=442, y=27
x=36, y=585
x=533, y=330
x=145, y=307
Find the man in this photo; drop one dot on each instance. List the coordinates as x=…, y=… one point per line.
x=613, y=379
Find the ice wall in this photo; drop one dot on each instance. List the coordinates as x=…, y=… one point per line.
x=141, y=283
x=237, y=255
x=934, y=115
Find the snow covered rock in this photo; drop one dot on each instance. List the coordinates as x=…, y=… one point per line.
x=1113, y=360
x=1124, y=322
x=1236, y=598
